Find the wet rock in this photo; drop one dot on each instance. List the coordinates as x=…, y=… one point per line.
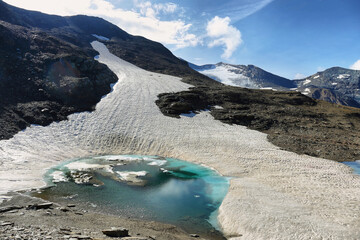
x=116, y=232
x=136, y=238
x=64, y=209
x=10, y=208
x=79, y=237
x=65, y=229
x=3, y=224
x=19, y=229
x=40, y=206
x=81, y=178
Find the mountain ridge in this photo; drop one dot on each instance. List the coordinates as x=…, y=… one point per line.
x=323, y=88
x=259, y=77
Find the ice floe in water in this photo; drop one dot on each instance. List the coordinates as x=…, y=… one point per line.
x=150, y=187
x=58, y=176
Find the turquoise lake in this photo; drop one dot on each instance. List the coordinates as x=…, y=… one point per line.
x=142, y=187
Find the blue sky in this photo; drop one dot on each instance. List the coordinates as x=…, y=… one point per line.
x=291, y=38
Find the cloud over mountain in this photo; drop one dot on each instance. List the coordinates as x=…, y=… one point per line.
x=356, y=65
x=145, y=19
x=223, y=34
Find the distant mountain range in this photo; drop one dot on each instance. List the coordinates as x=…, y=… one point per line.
x=248, y=76
x=336, y=85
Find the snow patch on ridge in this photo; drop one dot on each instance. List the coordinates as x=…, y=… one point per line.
x=343, y=76
x=307, y=81
x=306, y=91
x=226, y=74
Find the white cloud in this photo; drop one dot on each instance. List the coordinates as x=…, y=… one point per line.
x=239, y=9
x=356, y=65
x=144, y=20
x=223, y=34
x=299, y=76
x=320, y=69
x=146, y=8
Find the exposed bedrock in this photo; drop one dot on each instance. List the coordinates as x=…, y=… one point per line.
x=293, y=121
x=44, y=79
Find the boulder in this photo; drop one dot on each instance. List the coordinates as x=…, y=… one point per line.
x=116, y=232
x=10, y=208
x=3, y=224
x=36, y=206
x=136, y=238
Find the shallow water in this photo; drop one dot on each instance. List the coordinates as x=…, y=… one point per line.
x=355, y=165
x=145, y=187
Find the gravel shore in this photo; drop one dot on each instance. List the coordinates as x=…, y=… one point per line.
x=72, y=222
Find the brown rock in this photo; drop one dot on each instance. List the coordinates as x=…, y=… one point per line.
x=116, y=232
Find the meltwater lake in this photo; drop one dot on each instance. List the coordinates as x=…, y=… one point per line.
x=355, y=165
x=141, y=187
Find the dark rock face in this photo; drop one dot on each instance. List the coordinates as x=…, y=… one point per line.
x=44, y=78
x=337, y=85
x=332, y=96
x=48, y=70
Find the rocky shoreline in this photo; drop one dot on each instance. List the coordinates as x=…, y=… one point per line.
x=25, y=217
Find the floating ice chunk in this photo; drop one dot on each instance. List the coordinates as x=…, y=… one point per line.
x=83, y=166
x=118, y=158
x=157, y=163
x=164, y=170
x=59, y=176
x=132, y=176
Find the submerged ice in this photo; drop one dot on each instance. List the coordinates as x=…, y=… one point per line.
x=150, y=187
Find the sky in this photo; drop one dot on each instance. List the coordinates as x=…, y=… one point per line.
x=290, y=38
